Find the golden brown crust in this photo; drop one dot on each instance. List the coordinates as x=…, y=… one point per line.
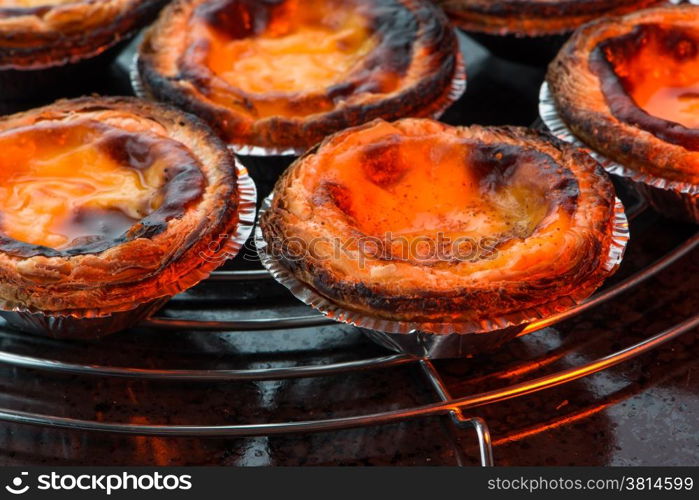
x=593, y=104
x=67, y=32
x=416, y=55
x=144, y=268
x=534, y=17
x=557, y=248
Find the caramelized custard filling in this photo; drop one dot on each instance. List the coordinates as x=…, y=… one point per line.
x=443, y=190
x=659, y=69
x=305, y=46
x=677, y=103
x=650, y=79
x=68, y=185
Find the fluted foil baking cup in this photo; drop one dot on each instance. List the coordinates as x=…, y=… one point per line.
x=435, y=110
x=552, y=120
x=73, y=327
x=435, y=340
x=93, y=323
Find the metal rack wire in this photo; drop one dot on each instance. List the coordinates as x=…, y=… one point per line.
x=445, y=404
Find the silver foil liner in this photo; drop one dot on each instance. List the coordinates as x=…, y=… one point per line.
x=672, y=198
x=436, y=109
x=75, y=327
x=435, y=340
x=93, y=323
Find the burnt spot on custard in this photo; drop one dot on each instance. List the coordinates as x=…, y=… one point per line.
x=498, y=164
x=128, y=149
x=531, y=176
x=181, y=184
x=382, y=163
x=336, y=194
x=614, y=60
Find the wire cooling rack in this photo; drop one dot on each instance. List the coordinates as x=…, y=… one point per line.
x=444, y=405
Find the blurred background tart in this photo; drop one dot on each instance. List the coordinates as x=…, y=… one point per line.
x=283, y=75
x=423, y=222
x=629, y=88
x=531, y=31
x=54, y=45
x=108, y=206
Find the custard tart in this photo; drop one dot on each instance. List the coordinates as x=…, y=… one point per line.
x=282, y=75
x=108, y=206
x=41, y=40
x=531, y=31
x=417, y=221
x=629, y=88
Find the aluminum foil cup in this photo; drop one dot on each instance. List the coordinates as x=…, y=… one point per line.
x=678, y=200
x=436, y=340
x=94, y=323
x=435, y=110
x=76, y=327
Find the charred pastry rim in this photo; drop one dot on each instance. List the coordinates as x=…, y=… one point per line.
x=68, y=32
x=563, y=253
x=594, y=103
x=164, y=253
x=415, y=51
x=529, y=18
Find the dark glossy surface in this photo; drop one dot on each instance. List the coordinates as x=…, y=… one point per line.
x=640, y=413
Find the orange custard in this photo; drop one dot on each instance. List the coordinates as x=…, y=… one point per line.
x=678, y=104
x=61, y=184
x=310, y=48
x=661, y=78
x=445, y=198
